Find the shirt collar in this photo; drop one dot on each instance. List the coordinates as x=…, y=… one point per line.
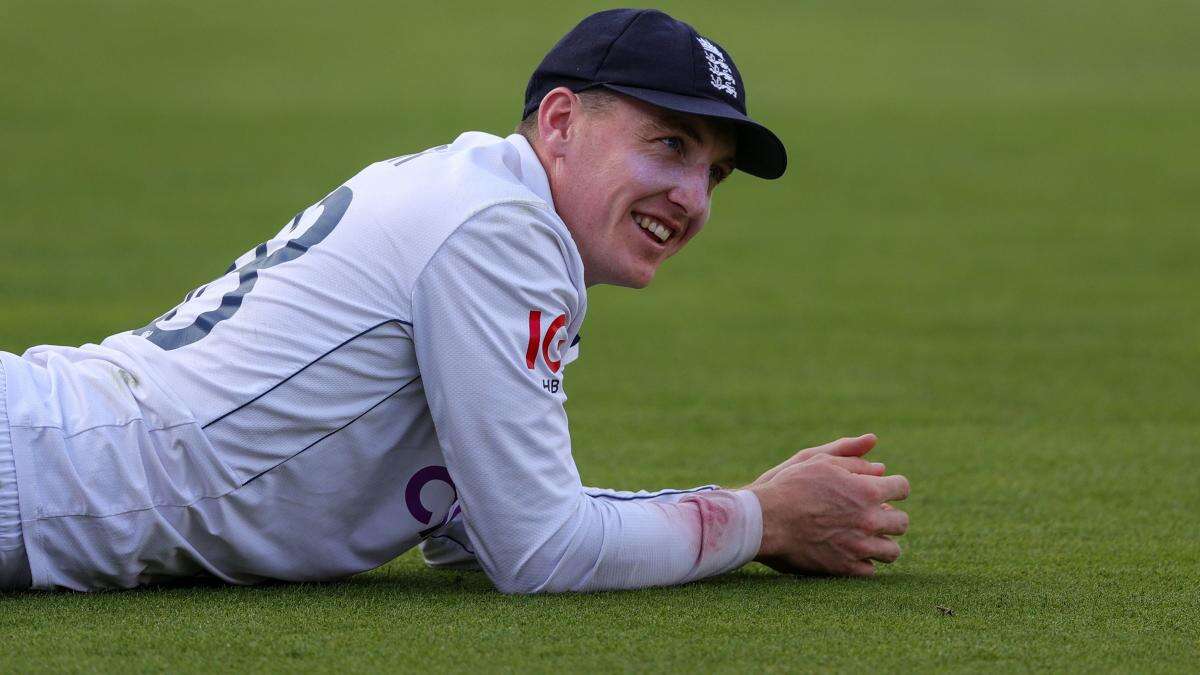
x=532, y=173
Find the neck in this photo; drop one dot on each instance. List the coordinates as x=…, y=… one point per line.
x=558, y=193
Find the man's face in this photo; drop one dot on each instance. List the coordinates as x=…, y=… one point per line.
x=634, y=185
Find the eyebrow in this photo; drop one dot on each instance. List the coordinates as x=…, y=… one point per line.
x=675, y=123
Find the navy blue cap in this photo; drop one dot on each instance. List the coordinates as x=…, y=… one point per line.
x=652, y=57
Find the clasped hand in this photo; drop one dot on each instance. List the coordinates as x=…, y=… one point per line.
x=825, y=511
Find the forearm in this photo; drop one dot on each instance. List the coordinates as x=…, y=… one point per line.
x=611, y=544
x=449, y=548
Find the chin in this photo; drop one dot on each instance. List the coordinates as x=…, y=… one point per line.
x=629, y=276
x=637, y=280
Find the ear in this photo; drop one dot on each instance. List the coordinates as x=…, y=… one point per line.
x=557, y=116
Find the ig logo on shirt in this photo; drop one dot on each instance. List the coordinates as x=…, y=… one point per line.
x=548, y=345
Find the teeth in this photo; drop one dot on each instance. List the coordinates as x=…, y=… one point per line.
x=652, y=226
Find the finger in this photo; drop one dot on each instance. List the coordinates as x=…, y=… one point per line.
x=852, y=447
x=844, y=447
x=892, y=488
x=890, y=520
x=883, y=549
x=860, y=568
x=858, y=465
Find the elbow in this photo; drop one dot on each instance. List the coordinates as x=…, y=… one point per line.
x=563, y=560
x=515, y=587
x=537, y=575
x=523, y=584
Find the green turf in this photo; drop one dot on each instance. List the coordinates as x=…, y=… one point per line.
x=983, y=252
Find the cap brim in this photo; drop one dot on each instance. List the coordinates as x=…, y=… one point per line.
x=759, y=151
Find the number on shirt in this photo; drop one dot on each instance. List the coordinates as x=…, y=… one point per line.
x=334, y=205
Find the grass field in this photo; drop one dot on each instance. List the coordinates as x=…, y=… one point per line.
x=984, y=251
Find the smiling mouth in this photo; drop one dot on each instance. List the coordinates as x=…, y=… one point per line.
x=658, y=233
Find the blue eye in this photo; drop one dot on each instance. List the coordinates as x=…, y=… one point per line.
x=674, y=142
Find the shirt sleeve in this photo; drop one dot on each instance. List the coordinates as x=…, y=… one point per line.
x=448, y=547
x=503, y=429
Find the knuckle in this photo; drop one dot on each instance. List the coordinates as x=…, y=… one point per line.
x=873, y=492
x=859, y=548
x=870, y=522
x=820, y=467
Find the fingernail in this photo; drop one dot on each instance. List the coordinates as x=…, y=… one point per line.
x=877, y=465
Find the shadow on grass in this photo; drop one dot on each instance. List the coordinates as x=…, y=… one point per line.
x=414, y=582
x=424, y=582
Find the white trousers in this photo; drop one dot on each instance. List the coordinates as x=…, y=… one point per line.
x=14, y=564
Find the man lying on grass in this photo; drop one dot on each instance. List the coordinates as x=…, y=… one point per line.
x=387, y=370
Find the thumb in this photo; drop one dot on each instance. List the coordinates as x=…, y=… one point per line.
x=842, y=447
x=850, y=447
x=859, y=465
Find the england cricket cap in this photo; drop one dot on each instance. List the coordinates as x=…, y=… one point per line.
x=650, y=56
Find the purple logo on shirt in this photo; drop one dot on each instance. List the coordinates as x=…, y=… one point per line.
x=412, y=495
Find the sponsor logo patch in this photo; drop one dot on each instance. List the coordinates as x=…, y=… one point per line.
x=549, y=346
x=417, y=507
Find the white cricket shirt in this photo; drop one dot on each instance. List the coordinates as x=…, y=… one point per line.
x=385, y=370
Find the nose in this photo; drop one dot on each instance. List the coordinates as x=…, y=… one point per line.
x=691, y=191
